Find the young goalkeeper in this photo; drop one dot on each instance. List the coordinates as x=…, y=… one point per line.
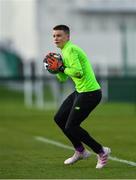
x=78, y=105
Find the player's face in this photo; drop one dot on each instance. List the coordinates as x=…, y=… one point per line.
x=60, y=38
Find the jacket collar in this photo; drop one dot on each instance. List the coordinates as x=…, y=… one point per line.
x=66, y=45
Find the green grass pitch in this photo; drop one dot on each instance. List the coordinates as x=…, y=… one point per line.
x=21, y=156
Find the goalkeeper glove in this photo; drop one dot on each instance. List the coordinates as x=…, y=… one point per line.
x=53, y=63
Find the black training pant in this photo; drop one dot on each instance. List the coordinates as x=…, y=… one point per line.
x=73, y=111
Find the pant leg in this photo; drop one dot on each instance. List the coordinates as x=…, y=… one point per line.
x=61, y=118
x=83, y=105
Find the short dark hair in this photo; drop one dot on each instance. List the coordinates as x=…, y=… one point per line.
x=65, y=28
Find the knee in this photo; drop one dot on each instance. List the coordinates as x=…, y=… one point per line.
x=59, y=121
x=56, y=119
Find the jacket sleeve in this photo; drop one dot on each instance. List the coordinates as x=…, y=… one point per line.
x=75, y=68
x=62, y=77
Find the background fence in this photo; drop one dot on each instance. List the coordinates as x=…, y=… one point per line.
x=105, y=29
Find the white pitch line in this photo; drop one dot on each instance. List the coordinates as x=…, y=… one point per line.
x=55, y=143
x=58, y=144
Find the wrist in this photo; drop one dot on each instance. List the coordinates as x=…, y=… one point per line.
x=61, y=69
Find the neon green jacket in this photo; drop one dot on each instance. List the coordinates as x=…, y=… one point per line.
x=78, y=67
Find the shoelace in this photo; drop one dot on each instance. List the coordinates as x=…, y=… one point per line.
x=76, y=155
x=102, y=159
